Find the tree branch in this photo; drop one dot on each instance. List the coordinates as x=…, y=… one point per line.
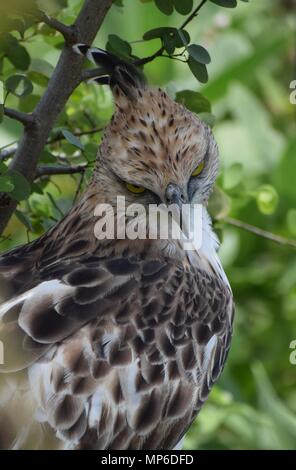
x=24, y=118
x=95, y=130
x=259, y=232
x=69, y=32
x=66, y=77
x=60, y=170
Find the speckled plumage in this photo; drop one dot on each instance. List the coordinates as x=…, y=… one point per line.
x=115, y=344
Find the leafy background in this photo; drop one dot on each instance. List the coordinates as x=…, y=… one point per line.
x=247, y=101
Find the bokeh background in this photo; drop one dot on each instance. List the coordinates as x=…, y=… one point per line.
x=253, y=406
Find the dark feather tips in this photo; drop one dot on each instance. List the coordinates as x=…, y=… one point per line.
x=115, y=70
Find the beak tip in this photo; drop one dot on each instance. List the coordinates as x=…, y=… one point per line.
x=174, y=194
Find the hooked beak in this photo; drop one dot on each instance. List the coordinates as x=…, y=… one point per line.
x=175, y=195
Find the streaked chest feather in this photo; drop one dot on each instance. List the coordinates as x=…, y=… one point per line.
x=123, y=384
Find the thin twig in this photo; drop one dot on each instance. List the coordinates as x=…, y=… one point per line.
x=159, y=52
x=6, y=153
x=60, y=136
x=60, y=170
x=193, y=14
x=9, y=145
x=24, y=118
x=174, y=58
x=4, y=238
x=145, y=60
x=260, y=232
x=89, y=118
x=55, y=204
x=95, y=130
x=79, y=186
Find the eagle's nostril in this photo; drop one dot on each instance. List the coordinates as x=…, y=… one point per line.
x=174, y=195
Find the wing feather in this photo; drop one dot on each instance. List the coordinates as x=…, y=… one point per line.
x=122, y=351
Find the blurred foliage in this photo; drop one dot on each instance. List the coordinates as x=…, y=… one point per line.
x=247, y=100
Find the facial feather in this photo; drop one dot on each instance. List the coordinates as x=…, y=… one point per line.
x=153, y=141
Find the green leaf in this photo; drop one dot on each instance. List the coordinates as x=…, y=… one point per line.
x=51, y=6
x=28, y=103
x=169, y=43
x=199, y=53
x=90, y=151
x=24, y=219
x=8, y=24
x=1, y=112
x=118, y=46
x=72, y=139
x=6, y=184
x=225, y=3
x=18, y=56
x=183, y=6
x=40, y=71
x=53, y=202
x=22, y=189
x=165, y=6
x=19, y=85
x=37, y=188
x=47, y=157
x=233, y=176
x=172, y=37
x=267, y=199
x=182, y=38
x=198, y=70
x=194, y=101
x=3, y=167
x=158, y=33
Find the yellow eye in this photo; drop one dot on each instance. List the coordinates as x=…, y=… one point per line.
x=135, y=189
x=198, y=169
